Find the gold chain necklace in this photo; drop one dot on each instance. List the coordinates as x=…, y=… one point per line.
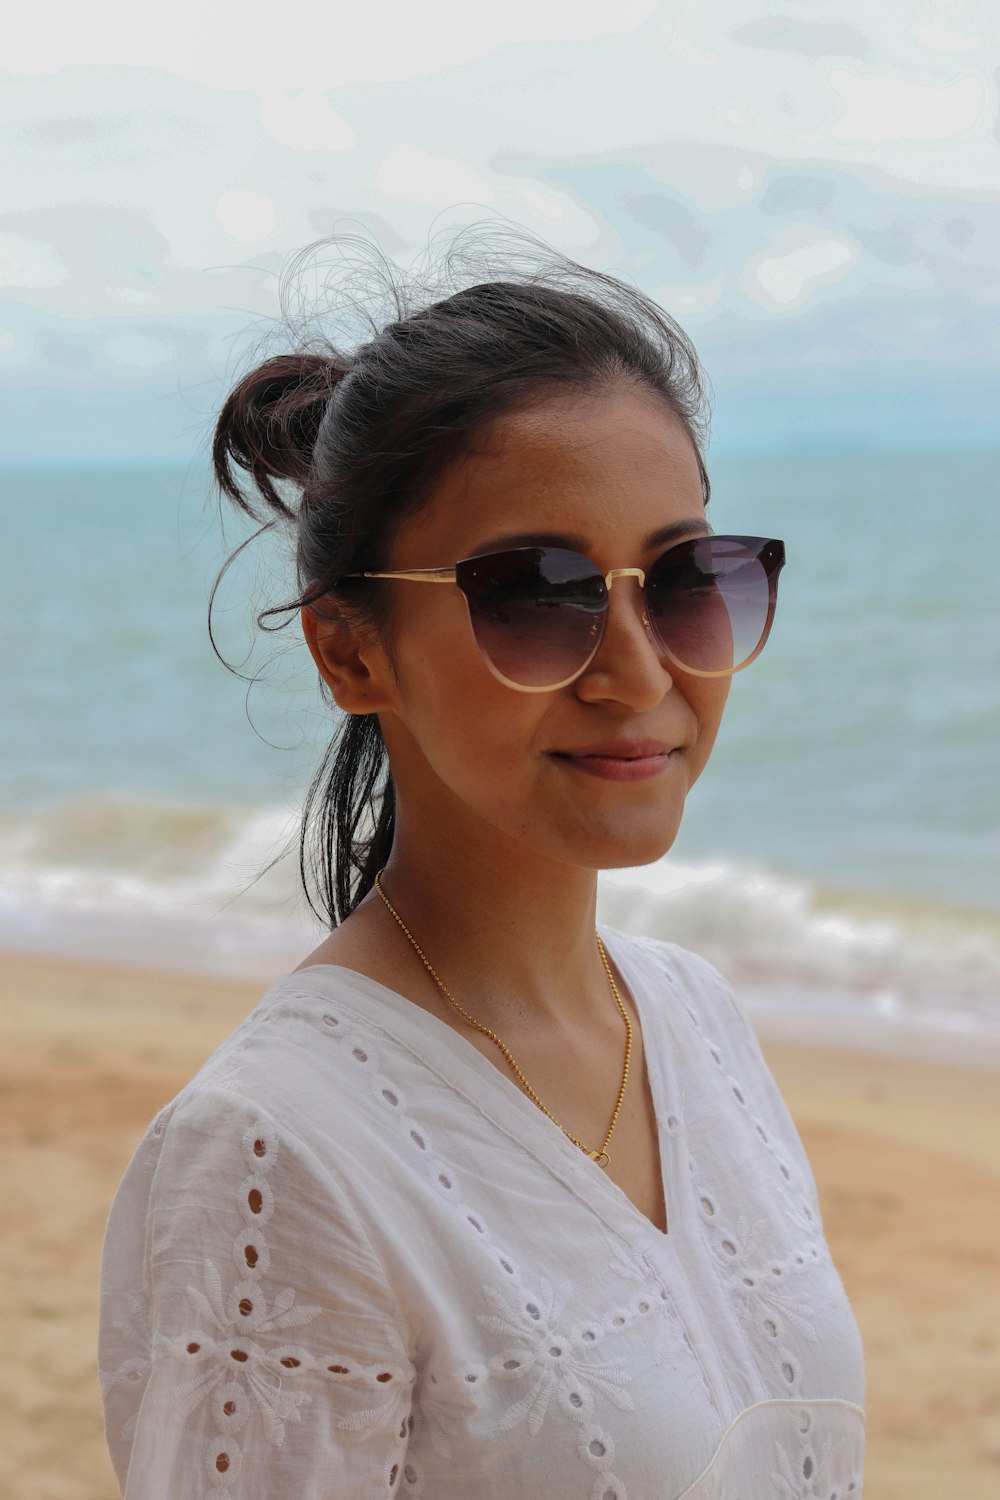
x=601, y=1157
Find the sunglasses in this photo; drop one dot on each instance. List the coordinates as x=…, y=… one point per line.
x=539, y=614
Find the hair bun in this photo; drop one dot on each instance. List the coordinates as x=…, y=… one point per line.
x=269, y=423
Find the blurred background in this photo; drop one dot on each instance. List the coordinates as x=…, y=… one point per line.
x=810, y=188
x=812, y=191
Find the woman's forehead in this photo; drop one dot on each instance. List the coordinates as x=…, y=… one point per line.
x=593, y=465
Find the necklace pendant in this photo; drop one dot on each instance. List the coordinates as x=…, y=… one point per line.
x=601, y=1157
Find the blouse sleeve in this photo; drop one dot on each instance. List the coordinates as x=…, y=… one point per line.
x=250, y=1346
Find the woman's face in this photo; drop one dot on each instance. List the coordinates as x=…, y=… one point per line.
x=472, y=758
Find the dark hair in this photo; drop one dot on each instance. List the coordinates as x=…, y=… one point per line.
x=362, y=435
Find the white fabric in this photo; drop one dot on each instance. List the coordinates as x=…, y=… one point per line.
x=353, y=1259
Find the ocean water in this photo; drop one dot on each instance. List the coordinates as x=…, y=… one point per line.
x=839, y=858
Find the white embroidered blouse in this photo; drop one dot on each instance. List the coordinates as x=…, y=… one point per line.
x=352, y=1259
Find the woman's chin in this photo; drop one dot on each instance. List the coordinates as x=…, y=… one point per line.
x=623, y=847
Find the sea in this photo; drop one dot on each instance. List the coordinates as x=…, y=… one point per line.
x=838, y=860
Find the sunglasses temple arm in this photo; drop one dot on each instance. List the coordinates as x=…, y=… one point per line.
x=417, y=575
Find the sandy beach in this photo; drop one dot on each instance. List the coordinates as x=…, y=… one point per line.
x=906, y=1157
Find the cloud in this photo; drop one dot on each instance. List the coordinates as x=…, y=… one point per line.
x=673, y=221
x=95, y=246
x=248, y=217
x=933, y=337
x=306, y=120
x=785, y=280
x=144, y=137
x=879, y=108
x=643, y=207
x=249, y=45
x=689, y=299
x=901, y=240
x=765, y=175
x=29, y=262
x=808, y=38
x=142, y=348
x=412, y=175
x=798, y=192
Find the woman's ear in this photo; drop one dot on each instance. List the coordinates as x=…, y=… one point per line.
x=344, y=660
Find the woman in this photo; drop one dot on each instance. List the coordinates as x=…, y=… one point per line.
x=486, y=1198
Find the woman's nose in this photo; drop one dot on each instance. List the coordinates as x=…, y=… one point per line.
x=630, y=649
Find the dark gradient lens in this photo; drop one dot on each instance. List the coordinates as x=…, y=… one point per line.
x=711, y=601
x=537, y=612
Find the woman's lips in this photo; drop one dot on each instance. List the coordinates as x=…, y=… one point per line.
x=618, y=768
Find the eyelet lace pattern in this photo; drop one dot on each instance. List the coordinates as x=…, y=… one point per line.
x=532, y=1348
x=236, y=1356
x=251, y=1361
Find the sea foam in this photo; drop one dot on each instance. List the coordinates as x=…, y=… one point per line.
x=130, y=879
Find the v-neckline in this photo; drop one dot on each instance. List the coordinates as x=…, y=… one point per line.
x=538, y=1133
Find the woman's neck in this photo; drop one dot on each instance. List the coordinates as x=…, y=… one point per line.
x=515, y=947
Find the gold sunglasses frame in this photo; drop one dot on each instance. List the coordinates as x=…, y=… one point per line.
x=450, y=575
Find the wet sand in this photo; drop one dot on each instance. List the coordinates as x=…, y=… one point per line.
x=906, y=1157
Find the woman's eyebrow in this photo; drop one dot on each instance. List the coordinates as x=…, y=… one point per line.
x=675, y=530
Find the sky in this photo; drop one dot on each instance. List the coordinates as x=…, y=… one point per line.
x=810, y=188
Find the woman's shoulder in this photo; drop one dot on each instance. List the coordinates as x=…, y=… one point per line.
x=292, y=1062
x=272, y=1117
